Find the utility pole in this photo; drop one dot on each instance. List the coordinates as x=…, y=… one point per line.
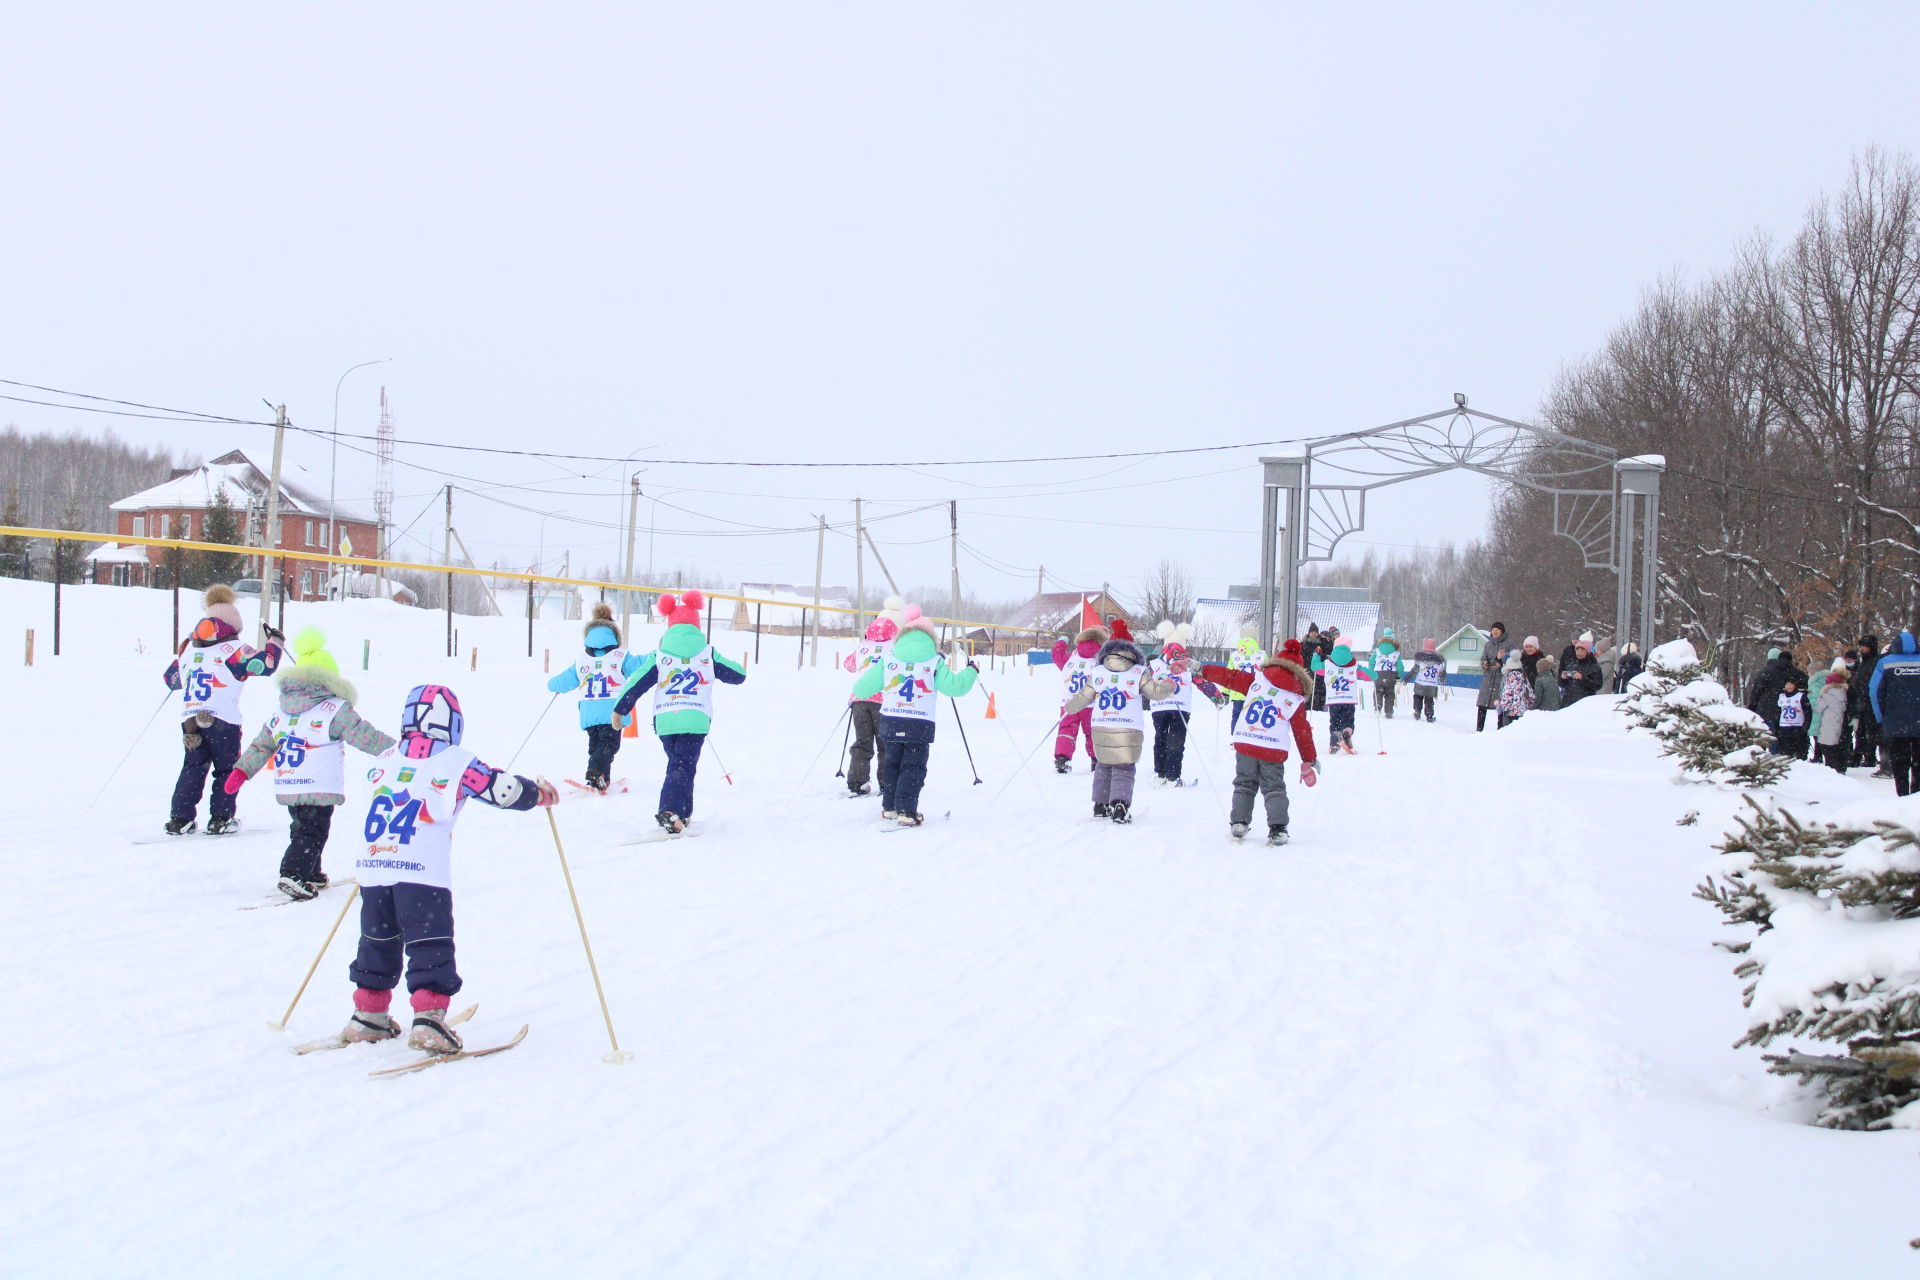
x=819, y=567
x=891, y=584
x=446, y=557
x=626, y=596
x=1039, y=590
x=270, y=566
x=859, y=575
x=953, y=556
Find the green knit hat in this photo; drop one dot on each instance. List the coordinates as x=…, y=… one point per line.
x=309, y=650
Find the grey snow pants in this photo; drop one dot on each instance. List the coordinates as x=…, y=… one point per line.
x=1269, y=778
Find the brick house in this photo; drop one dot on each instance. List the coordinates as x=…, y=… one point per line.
x=178, y=507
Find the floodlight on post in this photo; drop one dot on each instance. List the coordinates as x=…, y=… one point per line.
x=1460, y=399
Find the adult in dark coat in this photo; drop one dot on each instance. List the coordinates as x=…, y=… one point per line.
x=1630, y=666
x=1493, y=656
x=1579, y=671
x=1866, y=725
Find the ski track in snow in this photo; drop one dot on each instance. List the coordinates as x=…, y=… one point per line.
x=1467, y=1024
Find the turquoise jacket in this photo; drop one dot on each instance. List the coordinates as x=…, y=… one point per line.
x=682, y=640
x=599, y=711
x=915, y=645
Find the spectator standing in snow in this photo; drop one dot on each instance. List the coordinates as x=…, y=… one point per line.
x=1493, y=660
x=1609, y=660
x=1630, y=666
x=1831, y=745
x=1579, y=671
x=1546, y=684
x=1895, y=691
x=1530, y=657
x=1516, y=692
x=1866, y=726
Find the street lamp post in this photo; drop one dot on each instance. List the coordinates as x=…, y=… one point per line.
x=333, y=472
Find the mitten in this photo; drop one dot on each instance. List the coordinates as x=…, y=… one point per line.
x=1308, y=774
x=235, y=781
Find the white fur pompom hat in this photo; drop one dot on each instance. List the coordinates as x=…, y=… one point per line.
x=1174, y=637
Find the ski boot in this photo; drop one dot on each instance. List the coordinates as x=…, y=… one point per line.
x=1277, y=835
x=862, y=790
x=180, y=826
x=1063, y=764
x=911, y=819
x=888, y=815
x=1102, y=811
x=670, y=822
x=298, y=890
x=1237, y=830
x=431, y=1032
x=366, y=1024
x=597, y=782
x=1119, y=811
x=222, y=826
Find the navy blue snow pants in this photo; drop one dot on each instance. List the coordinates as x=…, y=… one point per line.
x=219, y=747
x=683, y=758
x=1339, y=720
x=1170, y=742
x=413, y=922
x=603, y=744
x=904, y=747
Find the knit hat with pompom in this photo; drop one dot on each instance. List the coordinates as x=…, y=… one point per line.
x=220, y=606
x=1174, y=637
x=911, y=619
x=683, y=612
x=310, y=650
x=887, y=625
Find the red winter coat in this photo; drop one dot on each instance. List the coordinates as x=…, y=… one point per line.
x=1283, y=674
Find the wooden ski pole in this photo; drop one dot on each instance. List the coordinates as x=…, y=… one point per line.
x=312, y=968
x=619, y=1055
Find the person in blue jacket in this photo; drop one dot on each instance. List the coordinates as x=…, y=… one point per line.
x=1895, y=694
x=598, y=676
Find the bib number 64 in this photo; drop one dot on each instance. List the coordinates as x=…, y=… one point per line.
x=386, y=818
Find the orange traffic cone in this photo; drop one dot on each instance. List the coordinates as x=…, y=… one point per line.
x=631, y=729
x=992, y=713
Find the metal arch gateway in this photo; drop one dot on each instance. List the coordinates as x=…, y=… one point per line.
x=1597, y=495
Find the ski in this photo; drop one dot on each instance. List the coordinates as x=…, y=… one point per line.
x=661, y=837
x=163, y=838
x=437, y=1059
x=615, y=787
x=335, y=1042
x=282, y=900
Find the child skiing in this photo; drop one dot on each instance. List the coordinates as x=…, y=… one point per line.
x=866, y=711
x=1115, y=693
x=1429, y=673
x=598, y=676
x=307, y=743
x=406, y=875
x=1172, y=713
x=681, y=673
x=1275, y=706
x=909, y=681
x=1342, y=673
x=1386, y=672
x=1077, y=661
x=208, y=671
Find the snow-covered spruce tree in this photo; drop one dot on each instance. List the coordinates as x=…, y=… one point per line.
x=1770, y=853
x=1696, y=722
x=1837, y=956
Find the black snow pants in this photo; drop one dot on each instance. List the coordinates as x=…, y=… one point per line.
x=217, y=746
x=1169, y=743
x=308, y=826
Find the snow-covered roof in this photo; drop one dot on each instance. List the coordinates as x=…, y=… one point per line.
x=790, y=604
x=241, y=479
x=114, y=553
x=1359, y=621
x=1219, y=624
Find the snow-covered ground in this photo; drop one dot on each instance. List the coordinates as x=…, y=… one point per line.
x=1469, y=1024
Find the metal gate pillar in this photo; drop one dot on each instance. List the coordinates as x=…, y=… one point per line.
x=1288, y=475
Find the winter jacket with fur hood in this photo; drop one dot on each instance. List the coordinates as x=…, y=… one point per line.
x=1831, y=710
x=1120, y=746
x=301, y=689
x=1283, y=673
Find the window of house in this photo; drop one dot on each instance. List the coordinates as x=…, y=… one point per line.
x=139, y=526
x=161, y=524
x=306, y=583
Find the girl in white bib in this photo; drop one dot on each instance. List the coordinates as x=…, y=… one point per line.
x=1115, y=696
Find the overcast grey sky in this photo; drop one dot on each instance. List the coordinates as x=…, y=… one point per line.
x=889, y=232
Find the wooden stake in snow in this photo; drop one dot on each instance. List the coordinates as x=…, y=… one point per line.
x=619, y=1055
x=288, y=1015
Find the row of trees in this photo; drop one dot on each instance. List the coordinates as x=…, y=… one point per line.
x=1784, y=392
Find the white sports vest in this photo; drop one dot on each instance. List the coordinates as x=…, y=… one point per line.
x=409, y=827
x=865, y=654
x=1119, y=704
x=1429, y=675
x=1182, y=696
x=1264, y=721
x=907, y=691
x=1077, y=671
x=600, y=677
x=686, y=684
x=306, y=756
x=207, y=685
x=1386, y=661
x=1793, y=711
x=1343, y=684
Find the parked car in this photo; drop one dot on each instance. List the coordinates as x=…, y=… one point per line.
x=245, y=587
